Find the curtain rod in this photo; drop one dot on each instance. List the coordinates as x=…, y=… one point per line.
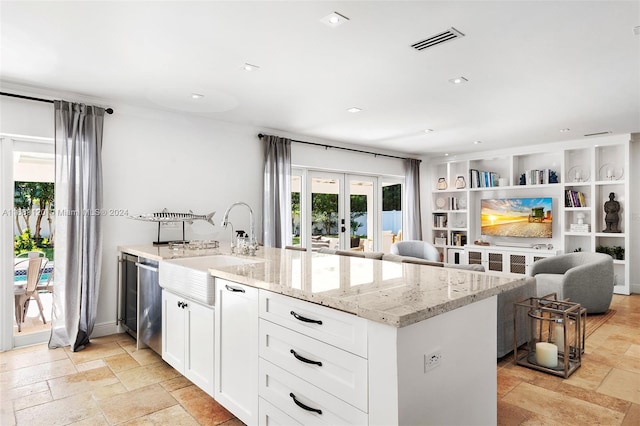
x=49, y=101
x=260, y=136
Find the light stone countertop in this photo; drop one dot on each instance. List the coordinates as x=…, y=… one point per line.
x=397, y=294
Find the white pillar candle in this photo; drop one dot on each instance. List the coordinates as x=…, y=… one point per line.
x=560, y=337
x=547, y=354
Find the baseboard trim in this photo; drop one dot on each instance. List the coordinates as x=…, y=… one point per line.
x=635, y=288
x=31, y=339
x=105, y=329
x=99, y=330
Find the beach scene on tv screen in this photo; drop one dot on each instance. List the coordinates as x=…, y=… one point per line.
x=517, y=217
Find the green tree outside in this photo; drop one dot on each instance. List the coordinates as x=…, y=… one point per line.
x=26, y=196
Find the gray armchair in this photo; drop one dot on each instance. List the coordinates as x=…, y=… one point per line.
x=584, y=278
x=416, y=248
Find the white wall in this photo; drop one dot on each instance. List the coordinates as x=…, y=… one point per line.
x=19, y=117
x=155, y=160
x=634, y=178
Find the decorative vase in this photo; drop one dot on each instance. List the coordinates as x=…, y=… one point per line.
x=442, y=183
x=460, y=183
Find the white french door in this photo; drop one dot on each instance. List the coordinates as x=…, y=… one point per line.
x=340, y=211
x=28, y=160
x=324, y=212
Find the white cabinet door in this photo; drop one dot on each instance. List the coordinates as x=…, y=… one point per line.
x=236, y=349
x=187, y=339
x=173, y=342
x=198, y=365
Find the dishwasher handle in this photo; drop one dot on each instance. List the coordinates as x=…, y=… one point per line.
x=147, y=267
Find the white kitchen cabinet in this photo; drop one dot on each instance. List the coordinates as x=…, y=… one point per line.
x=345, y=331
x=187, y=338
x=313, y=364
x=236, y=355
x=339, y=372
x=272, y=416
x=304, y=402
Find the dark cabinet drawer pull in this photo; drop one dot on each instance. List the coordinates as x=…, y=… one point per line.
x=303, y=319
x=304, y=407
x=237, y=290
x=303, y=359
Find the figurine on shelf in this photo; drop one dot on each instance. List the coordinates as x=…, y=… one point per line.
x=611, y=208
x=460, y=183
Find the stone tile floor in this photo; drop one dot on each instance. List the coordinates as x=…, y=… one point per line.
x=110, y=382
x=605, y=390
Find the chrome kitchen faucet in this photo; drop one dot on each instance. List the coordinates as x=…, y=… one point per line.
x=253, y=242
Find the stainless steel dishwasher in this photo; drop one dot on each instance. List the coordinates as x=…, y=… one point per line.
x=141, y=301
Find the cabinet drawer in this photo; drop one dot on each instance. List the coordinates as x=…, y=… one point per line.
x=271, y=416
x=279, y=387
x=341, y=373
x=336, y=328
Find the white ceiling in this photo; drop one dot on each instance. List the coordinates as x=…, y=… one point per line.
x=534, y=67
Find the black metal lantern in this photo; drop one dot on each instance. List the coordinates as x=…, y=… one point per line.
x=555, y=335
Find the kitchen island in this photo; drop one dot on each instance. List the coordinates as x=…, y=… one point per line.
x=308, y=338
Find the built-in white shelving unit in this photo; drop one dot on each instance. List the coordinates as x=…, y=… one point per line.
x=578, y=176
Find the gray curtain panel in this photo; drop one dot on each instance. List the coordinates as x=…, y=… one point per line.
x=78, y=201
x=276, y=215
x=412, y=217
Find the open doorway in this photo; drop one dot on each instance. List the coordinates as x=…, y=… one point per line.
x=33, y=236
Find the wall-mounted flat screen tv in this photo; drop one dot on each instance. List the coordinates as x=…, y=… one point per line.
x=517, y=217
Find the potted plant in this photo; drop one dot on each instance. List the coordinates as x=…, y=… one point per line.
x=618, y=252
x=605, y=250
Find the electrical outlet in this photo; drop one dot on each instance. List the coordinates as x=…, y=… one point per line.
x=432, y=360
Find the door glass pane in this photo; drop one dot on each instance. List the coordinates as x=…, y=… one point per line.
x=361, y=216
x=34, y=231
x=325, y=226
x=391, y=214
x=296, y=191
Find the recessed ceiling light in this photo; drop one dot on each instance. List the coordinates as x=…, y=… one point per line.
x=446, y=155
x=477, y=142
x=354, y=109
x=249, y=67
x=428, y=130
x=196, y=96
x=458, y=80
x=334, y=19
x=565, y=130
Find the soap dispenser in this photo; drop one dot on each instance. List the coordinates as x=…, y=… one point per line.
x=241, y=242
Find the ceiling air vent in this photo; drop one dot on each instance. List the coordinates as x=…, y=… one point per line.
x=597, y=134
x=443, y=37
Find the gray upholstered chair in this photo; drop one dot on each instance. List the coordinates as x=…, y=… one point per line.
x=584, y=278
x=416, y=248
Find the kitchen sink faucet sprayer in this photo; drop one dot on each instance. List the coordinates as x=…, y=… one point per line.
x=253, y=242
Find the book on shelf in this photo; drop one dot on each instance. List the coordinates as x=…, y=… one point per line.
x=574, y=199
x=439, y=220
x=579, y=227
x=458, y=238
x=539, y=177
x=483, y=179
